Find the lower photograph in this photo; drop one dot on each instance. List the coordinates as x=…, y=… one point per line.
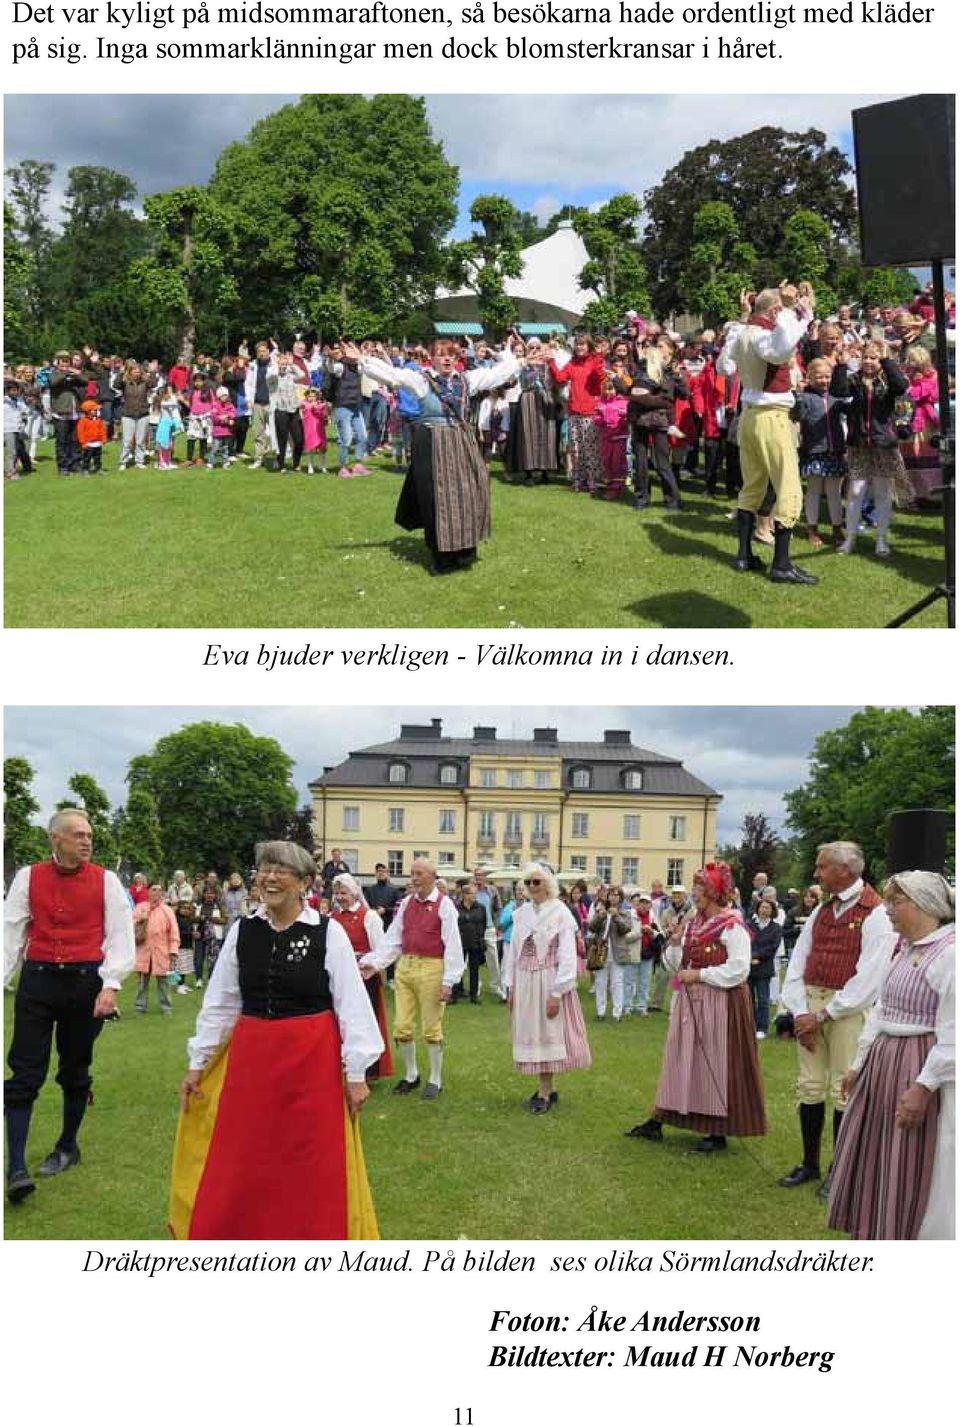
x=579, y=972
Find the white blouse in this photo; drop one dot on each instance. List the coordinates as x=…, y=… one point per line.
x=545, y=922
x=939, y=1068
x=735, y=969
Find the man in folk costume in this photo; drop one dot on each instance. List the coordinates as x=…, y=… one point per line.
x=364, y=932
x=710, y=1079
x=425, y=936
x=832, y=980
x=70, y=923
x=760, y=347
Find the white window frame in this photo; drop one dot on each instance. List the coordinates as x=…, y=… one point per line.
x=634, y=819
x=580, y=825
x=396, y=816
x=677, y=827
x=351, y=817
x=447, y=815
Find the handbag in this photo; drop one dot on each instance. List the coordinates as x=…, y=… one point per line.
x=597, y=953
x=140, y=931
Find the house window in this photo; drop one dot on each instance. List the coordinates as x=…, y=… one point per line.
x=578, y=863
x=633, y=780
x=581, y=778
x=425, y=855
x=488, y=777
x=352, y=858
x=446, y=859
x=511, y=826
x=605, y=868
x=631, y=870
x=449, y=773
x=351, y=819
x=448, y=822
x=514, y=777
x=398, y=772
x=539, y=826
x=675, y=871
x=511, y=859
x=541, y=777
x=395, y=816
x=395, y=863
x=678, y=829
x=631, y=828
x=580, y=825
x=486, y=826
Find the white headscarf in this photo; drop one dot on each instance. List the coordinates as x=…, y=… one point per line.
x=928, y=891
x=352, y=885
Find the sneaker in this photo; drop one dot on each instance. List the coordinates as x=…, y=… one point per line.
x=184, y=989
x=209, y=465
x=761, y=1034
x=359, y=469
x=345, y=473
x=883, y=548
x=847, y=547
x=257, y=465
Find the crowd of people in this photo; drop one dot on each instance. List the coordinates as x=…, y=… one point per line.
x=294, y=967
x=610, y=415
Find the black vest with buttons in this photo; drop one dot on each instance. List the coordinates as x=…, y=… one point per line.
x=283, y=973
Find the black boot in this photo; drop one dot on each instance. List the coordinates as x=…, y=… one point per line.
x=824, y=1190
x=782, y=571
x=811, y=1131
x=746, y=561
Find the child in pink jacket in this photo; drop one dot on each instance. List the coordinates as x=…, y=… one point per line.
x=611, y=417
x=315, y=413
x=223, y=415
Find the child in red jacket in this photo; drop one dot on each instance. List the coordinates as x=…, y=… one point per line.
x=92, y=435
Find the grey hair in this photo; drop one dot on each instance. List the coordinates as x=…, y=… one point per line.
x=548, y=874
x=769, y=297
x=57, y=821
x=286, y=854
x=426, y=862
x=848, y=854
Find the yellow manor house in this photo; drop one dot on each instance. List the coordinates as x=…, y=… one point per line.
x=609, y=809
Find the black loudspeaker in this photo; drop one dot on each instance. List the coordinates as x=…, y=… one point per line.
x=904, y=157
x=917, y=840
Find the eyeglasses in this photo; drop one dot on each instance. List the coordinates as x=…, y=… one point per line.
x=533, y=881
x=890, y=902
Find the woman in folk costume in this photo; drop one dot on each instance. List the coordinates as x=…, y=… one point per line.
x=268, y=1144
x=365, y=932
x=710, y=1079
x=894, y=1171
x=540, y=976
x=447, y=490
x=157, y=938
x=532, y=439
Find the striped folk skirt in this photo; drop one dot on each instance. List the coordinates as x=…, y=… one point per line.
x=881, y=1181
x=576, y=1049
x=710, y=1081
x=532, y=438
x=447, y=490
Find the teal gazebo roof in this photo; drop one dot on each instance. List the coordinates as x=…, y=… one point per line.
x=458, y=329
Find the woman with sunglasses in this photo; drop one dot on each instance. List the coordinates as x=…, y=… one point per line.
x=540, y=977
x=894, y=1173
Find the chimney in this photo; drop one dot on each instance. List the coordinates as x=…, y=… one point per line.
x=617, y=737
x=545, y=735
x=484, y=734
x=418, y=732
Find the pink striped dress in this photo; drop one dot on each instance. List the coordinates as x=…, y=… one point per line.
x=541, y=962
x=892, y=1183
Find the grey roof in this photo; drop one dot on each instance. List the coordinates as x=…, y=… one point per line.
x=368, y=767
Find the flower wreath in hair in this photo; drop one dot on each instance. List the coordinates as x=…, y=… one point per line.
x=718, y=879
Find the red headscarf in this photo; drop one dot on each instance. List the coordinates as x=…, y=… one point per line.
x=718, y=879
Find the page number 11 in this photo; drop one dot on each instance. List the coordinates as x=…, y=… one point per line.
x=463, y=1416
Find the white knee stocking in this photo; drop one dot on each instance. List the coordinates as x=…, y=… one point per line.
x=436, y=1063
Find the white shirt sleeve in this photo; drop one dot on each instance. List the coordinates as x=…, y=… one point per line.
x=508, y=964
x=453, y=961
x=793, y=996
x=736, y=967
x=777, y=346
x=359, y=1031
x=374, y=929
x=221, y=1005
x=726, y=365
x=487, y=378
x=391, y=375
x=868, y=1034
x=566, y=957
x=940, y=1066
x=390, y=945
x=16, y=922
x=878, y=942
x=119, y=951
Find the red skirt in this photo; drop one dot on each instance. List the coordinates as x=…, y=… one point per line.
x=710, y=1064
x=384, y=1066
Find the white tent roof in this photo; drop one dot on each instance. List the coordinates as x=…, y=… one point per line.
x=547, y=290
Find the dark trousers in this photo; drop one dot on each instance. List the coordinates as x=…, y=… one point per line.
x=92, y=458
x=52, y=1002
x=760, y=995
x=240, y=428
x=288, y=427
x=660, y=443
x=712, y=460
x=734, y=478
x=68, y=447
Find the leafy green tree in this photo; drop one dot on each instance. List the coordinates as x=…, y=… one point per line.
x=488, y=257
x=91, y=799
x=759, y=849
x=17, y=280
x=187, y=278
x=884, y=759
x=765, y=176
x=719, y=265
x=615, y=269
x=218, y=789
x=882, y=286
x=29, y=187
x=138, y=833
x=339, y=204
x=23, y=840
x=100, y=238
x=810, y=253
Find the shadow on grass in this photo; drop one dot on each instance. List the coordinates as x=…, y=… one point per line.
x=689, y=609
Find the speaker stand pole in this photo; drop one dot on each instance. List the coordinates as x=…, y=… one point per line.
x=946, y=590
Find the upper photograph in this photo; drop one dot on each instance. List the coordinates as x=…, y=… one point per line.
x=482, y=361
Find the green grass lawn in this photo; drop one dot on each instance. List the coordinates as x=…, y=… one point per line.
x=198, y=548
x=473, y=1164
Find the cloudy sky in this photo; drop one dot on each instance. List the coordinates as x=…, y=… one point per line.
x=751, y=755
x=542, y=151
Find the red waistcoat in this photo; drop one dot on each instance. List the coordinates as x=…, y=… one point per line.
x=352, y=923
x=696, y=955
x=421, y=928
x=66, y=913
x=777, y=378
x=835, y=950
